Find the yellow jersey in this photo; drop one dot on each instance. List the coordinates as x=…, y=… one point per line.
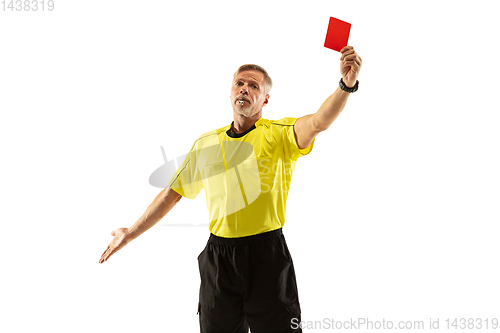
x=246, y=176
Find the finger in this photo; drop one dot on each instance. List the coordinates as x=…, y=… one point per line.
x=352, y=63
x=347, y=53
x=112, y=252
x=354, y=67
x=351, y=56
x=104, y=251
x=112, y=233
x=351, y=59
x=345, y=48
x=102, y=259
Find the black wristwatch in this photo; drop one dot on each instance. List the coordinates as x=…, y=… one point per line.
x=346, y=88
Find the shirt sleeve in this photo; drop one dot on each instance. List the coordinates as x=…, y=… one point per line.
x=290, y=142
x=187, y=180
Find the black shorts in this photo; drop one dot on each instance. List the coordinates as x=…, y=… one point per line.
x=248, y=282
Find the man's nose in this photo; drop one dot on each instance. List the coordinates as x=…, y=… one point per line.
x=244, y=90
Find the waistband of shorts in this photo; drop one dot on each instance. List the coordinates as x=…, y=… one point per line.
x=247, y=239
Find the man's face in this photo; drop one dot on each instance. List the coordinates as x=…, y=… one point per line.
x=248, y=86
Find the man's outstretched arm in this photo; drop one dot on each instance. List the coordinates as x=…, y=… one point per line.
x=160, y=206
x=307, y=127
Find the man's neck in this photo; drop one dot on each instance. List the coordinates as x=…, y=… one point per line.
x=242, y=123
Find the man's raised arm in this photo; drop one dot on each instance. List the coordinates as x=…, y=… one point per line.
x=160, y=206
x=307, y=127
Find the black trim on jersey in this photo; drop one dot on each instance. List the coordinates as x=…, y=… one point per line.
x=239, y=135
x=282, y=124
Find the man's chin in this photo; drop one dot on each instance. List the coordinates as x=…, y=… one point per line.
x=243, y=113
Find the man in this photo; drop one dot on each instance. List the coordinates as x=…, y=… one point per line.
x=247, y=273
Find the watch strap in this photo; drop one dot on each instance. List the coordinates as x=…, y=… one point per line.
x=346, y=88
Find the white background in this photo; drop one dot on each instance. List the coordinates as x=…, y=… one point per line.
x=394, y=215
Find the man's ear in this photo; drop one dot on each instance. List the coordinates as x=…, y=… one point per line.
x=266, y=100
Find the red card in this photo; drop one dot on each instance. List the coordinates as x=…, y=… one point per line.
x=337, y=35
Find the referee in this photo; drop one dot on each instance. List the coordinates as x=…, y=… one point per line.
x=247, y=273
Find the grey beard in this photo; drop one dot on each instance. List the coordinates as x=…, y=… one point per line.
x=243, y=113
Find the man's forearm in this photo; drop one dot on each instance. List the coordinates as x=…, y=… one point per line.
x=160, y=206
x=330, y=109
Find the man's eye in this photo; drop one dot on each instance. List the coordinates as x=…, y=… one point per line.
x=255, y=87
x=239, y=84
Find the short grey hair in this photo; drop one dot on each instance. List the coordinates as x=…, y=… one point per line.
x=251, y=67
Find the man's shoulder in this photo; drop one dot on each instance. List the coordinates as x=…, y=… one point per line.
x=210, y=135
x=280, y=127
x=215, y=132
x=285, y=121
x=222, y=129
x=279, y=124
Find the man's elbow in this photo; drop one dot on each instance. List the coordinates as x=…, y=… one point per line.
x=173, y=195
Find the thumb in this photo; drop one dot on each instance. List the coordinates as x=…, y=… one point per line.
x=112, y=233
